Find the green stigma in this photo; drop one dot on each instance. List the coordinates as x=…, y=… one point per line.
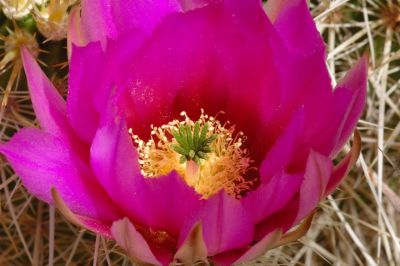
x=192, y=145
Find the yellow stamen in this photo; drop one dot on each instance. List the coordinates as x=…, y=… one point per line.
x=225, y=166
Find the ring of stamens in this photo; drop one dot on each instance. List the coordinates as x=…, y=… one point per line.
x=207, y=154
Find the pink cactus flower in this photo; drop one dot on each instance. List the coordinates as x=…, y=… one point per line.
x=193, y=130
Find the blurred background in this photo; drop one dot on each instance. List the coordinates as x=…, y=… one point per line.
x=358, y=225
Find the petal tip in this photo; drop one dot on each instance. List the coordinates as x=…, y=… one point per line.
x=126, y=235
x=193, y=249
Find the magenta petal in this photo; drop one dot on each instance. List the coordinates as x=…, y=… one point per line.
x=174, y=59
x=306, y=83
x=355, y=83
x=302, y=89
x=236, y=4
x=318, y=172
x=120, y=53
x=89, y=84
x=340, y=171
x=226, y=224
x=44, y=161
x=281, y=154
x=193, y=4
x=250, y=11
x=284, y=219
x=328, y=130
x=48, y=104
x=171, y=201
x=114, y=161
x=297, y=28
x=272, y=196
x=144, y=14
x=126, y=235
x=180, y=69
x=107, y=18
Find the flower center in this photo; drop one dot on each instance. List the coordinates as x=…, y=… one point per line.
x=207, y=154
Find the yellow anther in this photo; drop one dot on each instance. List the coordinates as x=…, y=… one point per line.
x=224, y=167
